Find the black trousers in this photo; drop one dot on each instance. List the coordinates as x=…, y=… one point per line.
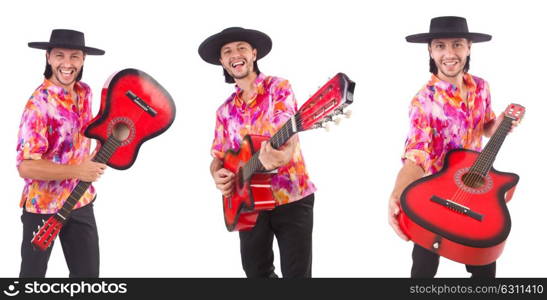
x=292, y=225
x=79, y=240
x=425, y=264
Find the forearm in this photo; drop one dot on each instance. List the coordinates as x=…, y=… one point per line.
x=409, y=173
x=491, y=127
x=46, y=170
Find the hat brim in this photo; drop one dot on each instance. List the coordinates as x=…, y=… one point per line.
x=209, y=50
x=427, y=37
x=47, y=45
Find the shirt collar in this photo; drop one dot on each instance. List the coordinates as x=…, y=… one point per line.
x=447, y=86
x=259, y=83
x=50, y=86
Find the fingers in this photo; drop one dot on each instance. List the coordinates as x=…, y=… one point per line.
x=222, y=176
x=224, y=173
x=395, y=225
x=226, y=189
x=100, y=168
x=224, y=181
x=265, y=155
x=393, y=213
x=272, y=158
x=394, y=208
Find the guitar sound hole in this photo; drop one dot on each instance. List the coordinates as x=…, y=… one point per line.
x=121, y=131
x=473, y=180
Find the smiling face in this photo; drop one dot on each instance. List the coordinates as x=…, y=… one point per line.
x=238, y=58
x=450, y=56
x=65, y=64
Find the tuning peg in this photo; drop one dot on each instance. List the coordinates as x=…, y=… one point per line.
x=38, y=226
x=34, y=233
x=43, y=221
x=337, y=121
x=348, y=113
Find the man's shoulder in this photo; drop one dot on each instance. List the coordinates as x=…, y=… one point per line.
x=84, y=86
x=39, y=95
x=479, y=82
x=427, y=91
x=226, y=103
x=275, y=82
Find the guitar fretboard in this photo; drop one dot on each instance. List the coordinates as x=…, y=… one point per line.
x=104, y=154
x=279, y=139
x=486, y=159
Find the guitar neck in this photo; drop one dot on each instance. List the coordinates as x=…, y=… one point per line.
x=279, y=139
x=104, y=154
x=488, y=155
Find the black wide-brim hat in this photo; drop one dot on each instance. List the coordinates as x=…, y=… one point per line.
x=209, y=50
x=448, y=27
x=66, y=38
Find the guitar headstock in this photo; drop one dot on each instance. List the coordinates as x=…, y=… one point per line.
x=47, y=233
x=515, y=111
x=328, y=102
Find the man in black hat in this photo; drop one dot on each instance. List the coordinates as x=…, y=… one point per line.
x=53, y=155
x=260, y=106
x=453, y=110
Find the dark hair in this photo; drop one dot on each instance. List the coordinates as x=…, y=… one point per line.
x=229, y=79
x=433, y=67
x=48, y=72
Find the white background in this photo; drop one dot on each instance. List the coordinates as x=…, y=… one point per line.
x=163, y=216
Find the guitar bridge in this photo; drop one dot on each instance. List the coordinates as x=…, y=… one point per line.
x=147, y=108
x=464, y=210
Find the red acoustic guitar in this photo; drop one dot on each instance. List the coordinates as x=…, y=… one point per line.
x=134, y=108
x=252, y=192
x=460, y=212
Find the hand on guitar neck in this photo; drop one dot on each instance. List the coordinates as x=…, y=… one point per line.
x=89, y=170
x=272, y=159
x=493, y=125
x=46, y=170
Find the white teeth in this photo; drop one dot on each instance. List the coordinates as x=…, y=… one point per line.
x=240, y=63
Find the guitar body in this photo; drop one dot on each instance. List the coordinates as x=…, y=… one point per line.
x=472, y=227
x=117, y=108
x=250, y=197
x=134, y=108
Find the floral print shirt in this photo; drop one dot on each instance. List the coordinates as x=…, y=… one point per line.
x=272, y=106
x=440, y=120
x=52, y=129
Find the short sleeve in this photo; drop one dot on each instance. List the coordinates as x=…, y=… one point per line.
x=418, y=147
x=489, y=114
x=32, y=139
x=219, y=147
x=284, y=102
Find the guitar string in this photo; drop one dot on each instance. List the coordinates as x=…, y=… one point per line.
x=81, y=187
x=484, y=162
x=254, y=162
